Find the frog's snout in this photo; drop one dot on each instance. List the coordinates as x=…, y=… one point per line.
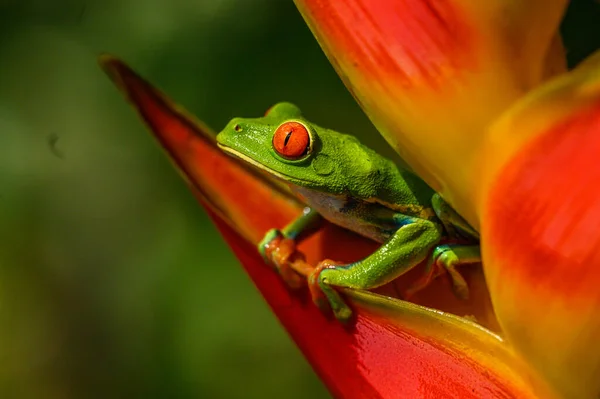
x=227, y=135
x=220, y=139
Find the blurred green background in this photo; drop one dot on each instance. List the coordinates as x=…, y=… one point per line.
x=113, y=283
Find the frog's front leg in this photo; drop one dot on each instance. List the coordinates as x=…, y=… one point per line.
x=278, y=247
x=408, y=247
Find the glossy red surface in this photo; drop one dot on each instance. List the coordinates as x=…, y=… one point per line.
x=377, y=357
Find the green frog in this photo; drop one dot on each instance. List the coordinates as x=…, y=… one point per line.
x=354, y=187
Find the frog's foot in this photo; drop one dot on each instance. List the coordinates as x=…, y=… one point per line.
x=324, y=295
x=280, y=252
x=444, y=259
x=269, y=243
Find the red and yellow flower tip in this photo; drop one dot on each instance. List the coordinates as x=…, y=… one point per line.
x=432, y=75
x=191, y=145
x=540, y=213
x=395, y=348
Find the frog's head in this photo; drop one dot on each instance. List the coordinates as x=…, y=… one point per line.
x=286, y=145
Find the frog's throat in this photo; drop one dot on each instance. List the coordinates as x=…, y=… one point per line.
x=247, y=159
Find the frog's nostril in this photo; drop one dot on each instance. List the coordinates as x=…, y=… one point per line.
x=237, y=128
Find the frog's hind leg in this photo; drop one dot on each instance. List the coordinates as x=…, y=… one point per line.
x=445, y=258
x=408, y=247
x=451, y=219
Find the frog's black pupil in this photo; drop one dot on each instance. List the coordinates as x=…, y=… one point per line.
x=287, y=138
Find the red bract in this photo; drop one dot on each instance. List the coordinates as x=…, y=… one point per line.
x=395, y=348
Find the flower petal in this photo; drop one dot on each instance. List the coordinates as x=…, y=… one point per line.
x=395, y=349
x=541, y=228
x=432, y=74
x=192, y=147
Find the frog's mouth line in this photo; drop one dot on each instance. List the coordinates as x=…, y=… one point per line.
x=245, y=158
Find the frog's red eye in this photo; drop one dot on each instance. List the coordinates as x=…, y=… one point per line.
x=291, y=140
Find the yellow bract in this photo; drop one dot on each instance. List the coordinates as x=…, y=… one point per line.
x=541, y=228
x=433, y=75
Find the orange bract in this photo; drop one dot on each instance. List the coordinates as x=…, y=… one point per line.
x=291, y=140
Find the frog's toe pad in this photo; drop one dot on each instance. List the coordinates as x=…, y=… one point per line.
x=268, y=243
x=325, y=296
x=343, y=313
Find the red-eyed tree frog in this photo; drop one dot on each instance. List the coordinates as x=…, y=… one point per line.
x=354, y=187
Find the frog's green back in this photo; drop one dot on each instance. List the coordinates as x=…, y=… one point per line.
x=336, y=163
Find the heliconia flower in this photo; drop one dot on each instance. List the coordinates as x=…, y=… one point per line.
x=395, y=348
x=433, y=74
x=540, y=213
